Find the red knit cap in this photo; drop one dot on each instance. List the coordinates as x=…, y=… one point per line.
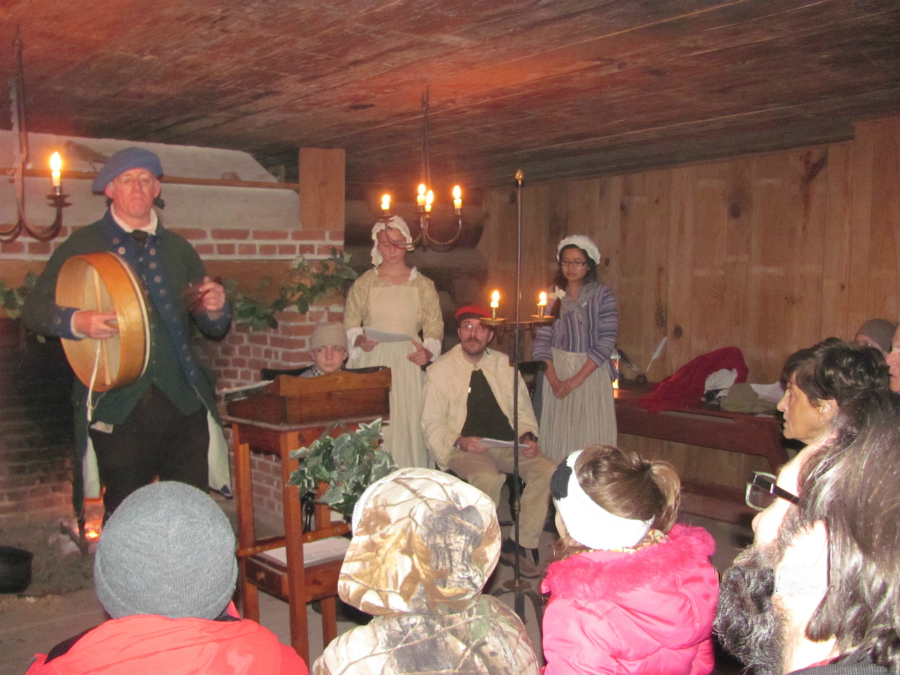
x=471, y=312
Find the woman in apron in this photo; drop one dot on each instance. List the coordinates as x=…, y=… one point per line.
x=393, y=303
x=577, y=398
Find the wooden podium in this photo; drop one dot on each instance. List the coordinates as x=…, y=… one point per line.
x=288, y=414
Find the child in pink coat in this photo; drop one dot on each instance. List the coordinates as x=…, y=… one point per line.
x=630, y=592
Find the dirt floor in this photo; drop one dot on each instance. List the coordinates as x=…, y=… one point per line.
x=58, y=566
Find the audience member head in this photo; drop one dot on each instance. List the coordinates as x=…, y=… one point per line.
x=577, y=258
x=876, y=333
x=328, y=347
x=893, y=361
x=424, y=542
x=474, y=336
x=607, y=498
x=168, y=550
x=391, y=239
x=820, y=379
x=827, y=585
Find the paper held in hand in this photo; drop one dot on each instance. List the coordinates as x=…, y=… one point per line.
x=381, y=336
x=494, y=443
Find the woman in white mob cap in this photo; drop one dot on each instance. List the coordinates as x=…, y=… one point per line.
x=394, y=298
x=577, y=398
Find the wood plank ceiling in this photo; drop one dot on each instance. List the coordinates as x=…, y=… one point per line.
x=559, y=88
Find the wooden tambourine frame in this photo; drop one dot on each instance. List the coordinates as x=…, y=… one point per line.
x=104, y=282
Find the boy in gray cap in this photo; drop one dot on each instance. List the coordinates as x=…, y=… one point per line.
x=165, y=571
x=158, y=426
x=328, y=347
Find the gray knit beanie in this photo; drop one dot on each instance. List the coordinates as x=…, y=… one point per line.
x=168, y=550
x=880, y=330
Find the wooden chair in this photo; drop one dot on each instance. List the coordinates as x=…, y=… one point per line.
x=283, y=405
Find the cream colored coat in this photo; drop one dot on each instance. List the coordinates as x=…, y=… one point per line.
x=447, y=392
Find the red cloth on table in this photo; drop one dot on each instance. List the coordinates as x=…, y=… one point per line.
x=685, y=386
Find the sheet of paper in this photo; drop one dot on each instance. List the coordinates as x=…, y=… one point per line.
x=332, y=548
x=494, y=443
x=381, y=336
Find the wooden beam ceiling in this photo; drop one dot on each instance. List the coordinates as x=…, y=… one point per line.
x=560, y=88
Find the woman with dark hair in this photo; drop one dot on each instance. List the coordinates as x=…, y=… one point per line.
x=577, y=396
x=820, y=379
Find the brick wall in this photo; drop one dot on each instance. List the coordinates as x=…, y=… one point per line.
x=34, y=457
x=36, y=443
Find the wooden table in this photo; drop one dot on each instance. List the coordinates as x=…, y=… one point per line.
x=758, y=435
x=293, y=582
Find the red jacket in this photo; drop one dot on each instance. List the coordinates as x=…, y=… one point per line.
x=154, y=645
x=650, y=611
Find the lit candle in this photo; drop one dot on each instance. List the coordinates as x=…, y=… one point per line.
x=495, y=303
x=56, y=169
x=386, y=203
x=542, y=303
x=429, y=199
x=457, y=199
x=420, y=198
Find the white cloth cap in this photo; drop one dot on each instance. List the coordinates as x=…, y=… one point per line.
x=395, y=222
x=582, y=242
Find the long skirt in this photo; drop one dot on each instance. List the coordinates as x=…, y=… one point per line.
x=403, y=434
x=585, y=417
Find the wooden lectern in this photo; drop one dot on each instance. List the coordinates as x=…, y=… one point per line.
x=288, y=414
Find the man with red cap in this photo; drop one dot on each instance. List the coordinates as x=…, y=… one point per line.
x=469, y=406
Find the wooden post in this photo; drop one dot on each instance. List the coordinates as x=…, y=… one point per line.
x=322, y=189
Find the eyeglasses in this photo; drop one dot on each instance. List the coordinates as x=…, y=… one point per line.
x=762, y=491
x=573, y=263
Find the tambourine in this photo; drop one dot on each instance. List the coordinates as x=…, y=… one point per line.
x=104, y=282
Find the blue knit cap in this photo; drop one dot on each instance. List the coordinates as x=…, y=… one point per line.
x=125, y=160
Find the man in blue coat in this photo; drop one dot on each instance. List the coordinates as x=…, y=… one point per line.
x=161, y=425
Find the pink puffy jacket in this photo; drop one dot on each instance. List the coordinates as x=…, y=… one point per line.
x=650, y=611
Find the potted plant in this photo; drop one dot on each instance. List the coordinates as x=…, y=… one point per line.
x=347, y=465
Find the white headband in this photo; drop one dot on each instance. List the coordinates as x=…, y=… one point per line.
x=582, y=242
x=587, y=522
x=395, y=222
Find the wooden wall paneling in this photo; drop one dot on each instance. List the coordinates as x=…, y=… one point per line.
x=633, y=235
x=769, y=256
x=738, y=240
x=709, y=249
x=602, y=214
x=536, y=246
x=499, y=230
x=885, y=223
x=805, y=197
x=680, y=260
x=654, y=313
x=838, y=238
x=861, y=238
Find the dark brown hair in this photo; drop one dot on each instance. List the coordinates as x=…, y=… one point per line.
x=834, y=369
x=853, y=486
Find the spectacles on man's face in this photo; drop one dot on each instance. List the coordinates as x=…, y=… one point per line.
x=573, y=263
x=762, y=491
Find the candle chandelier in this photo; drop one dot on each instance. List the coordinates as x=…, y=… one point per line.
x=20, y=159
x=425, y=198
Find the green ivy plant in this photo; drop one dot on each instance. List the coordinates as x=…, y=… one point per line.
x=303, y=285
x=348, y=464
x=13, y=299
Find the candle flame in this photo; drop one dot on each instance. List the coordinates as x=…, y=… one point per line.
x=55, y=162
x=429, y=198
x=495, y=296
x=542, y=302
x=422, y=189
x=385, y=202
x=457, y=193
